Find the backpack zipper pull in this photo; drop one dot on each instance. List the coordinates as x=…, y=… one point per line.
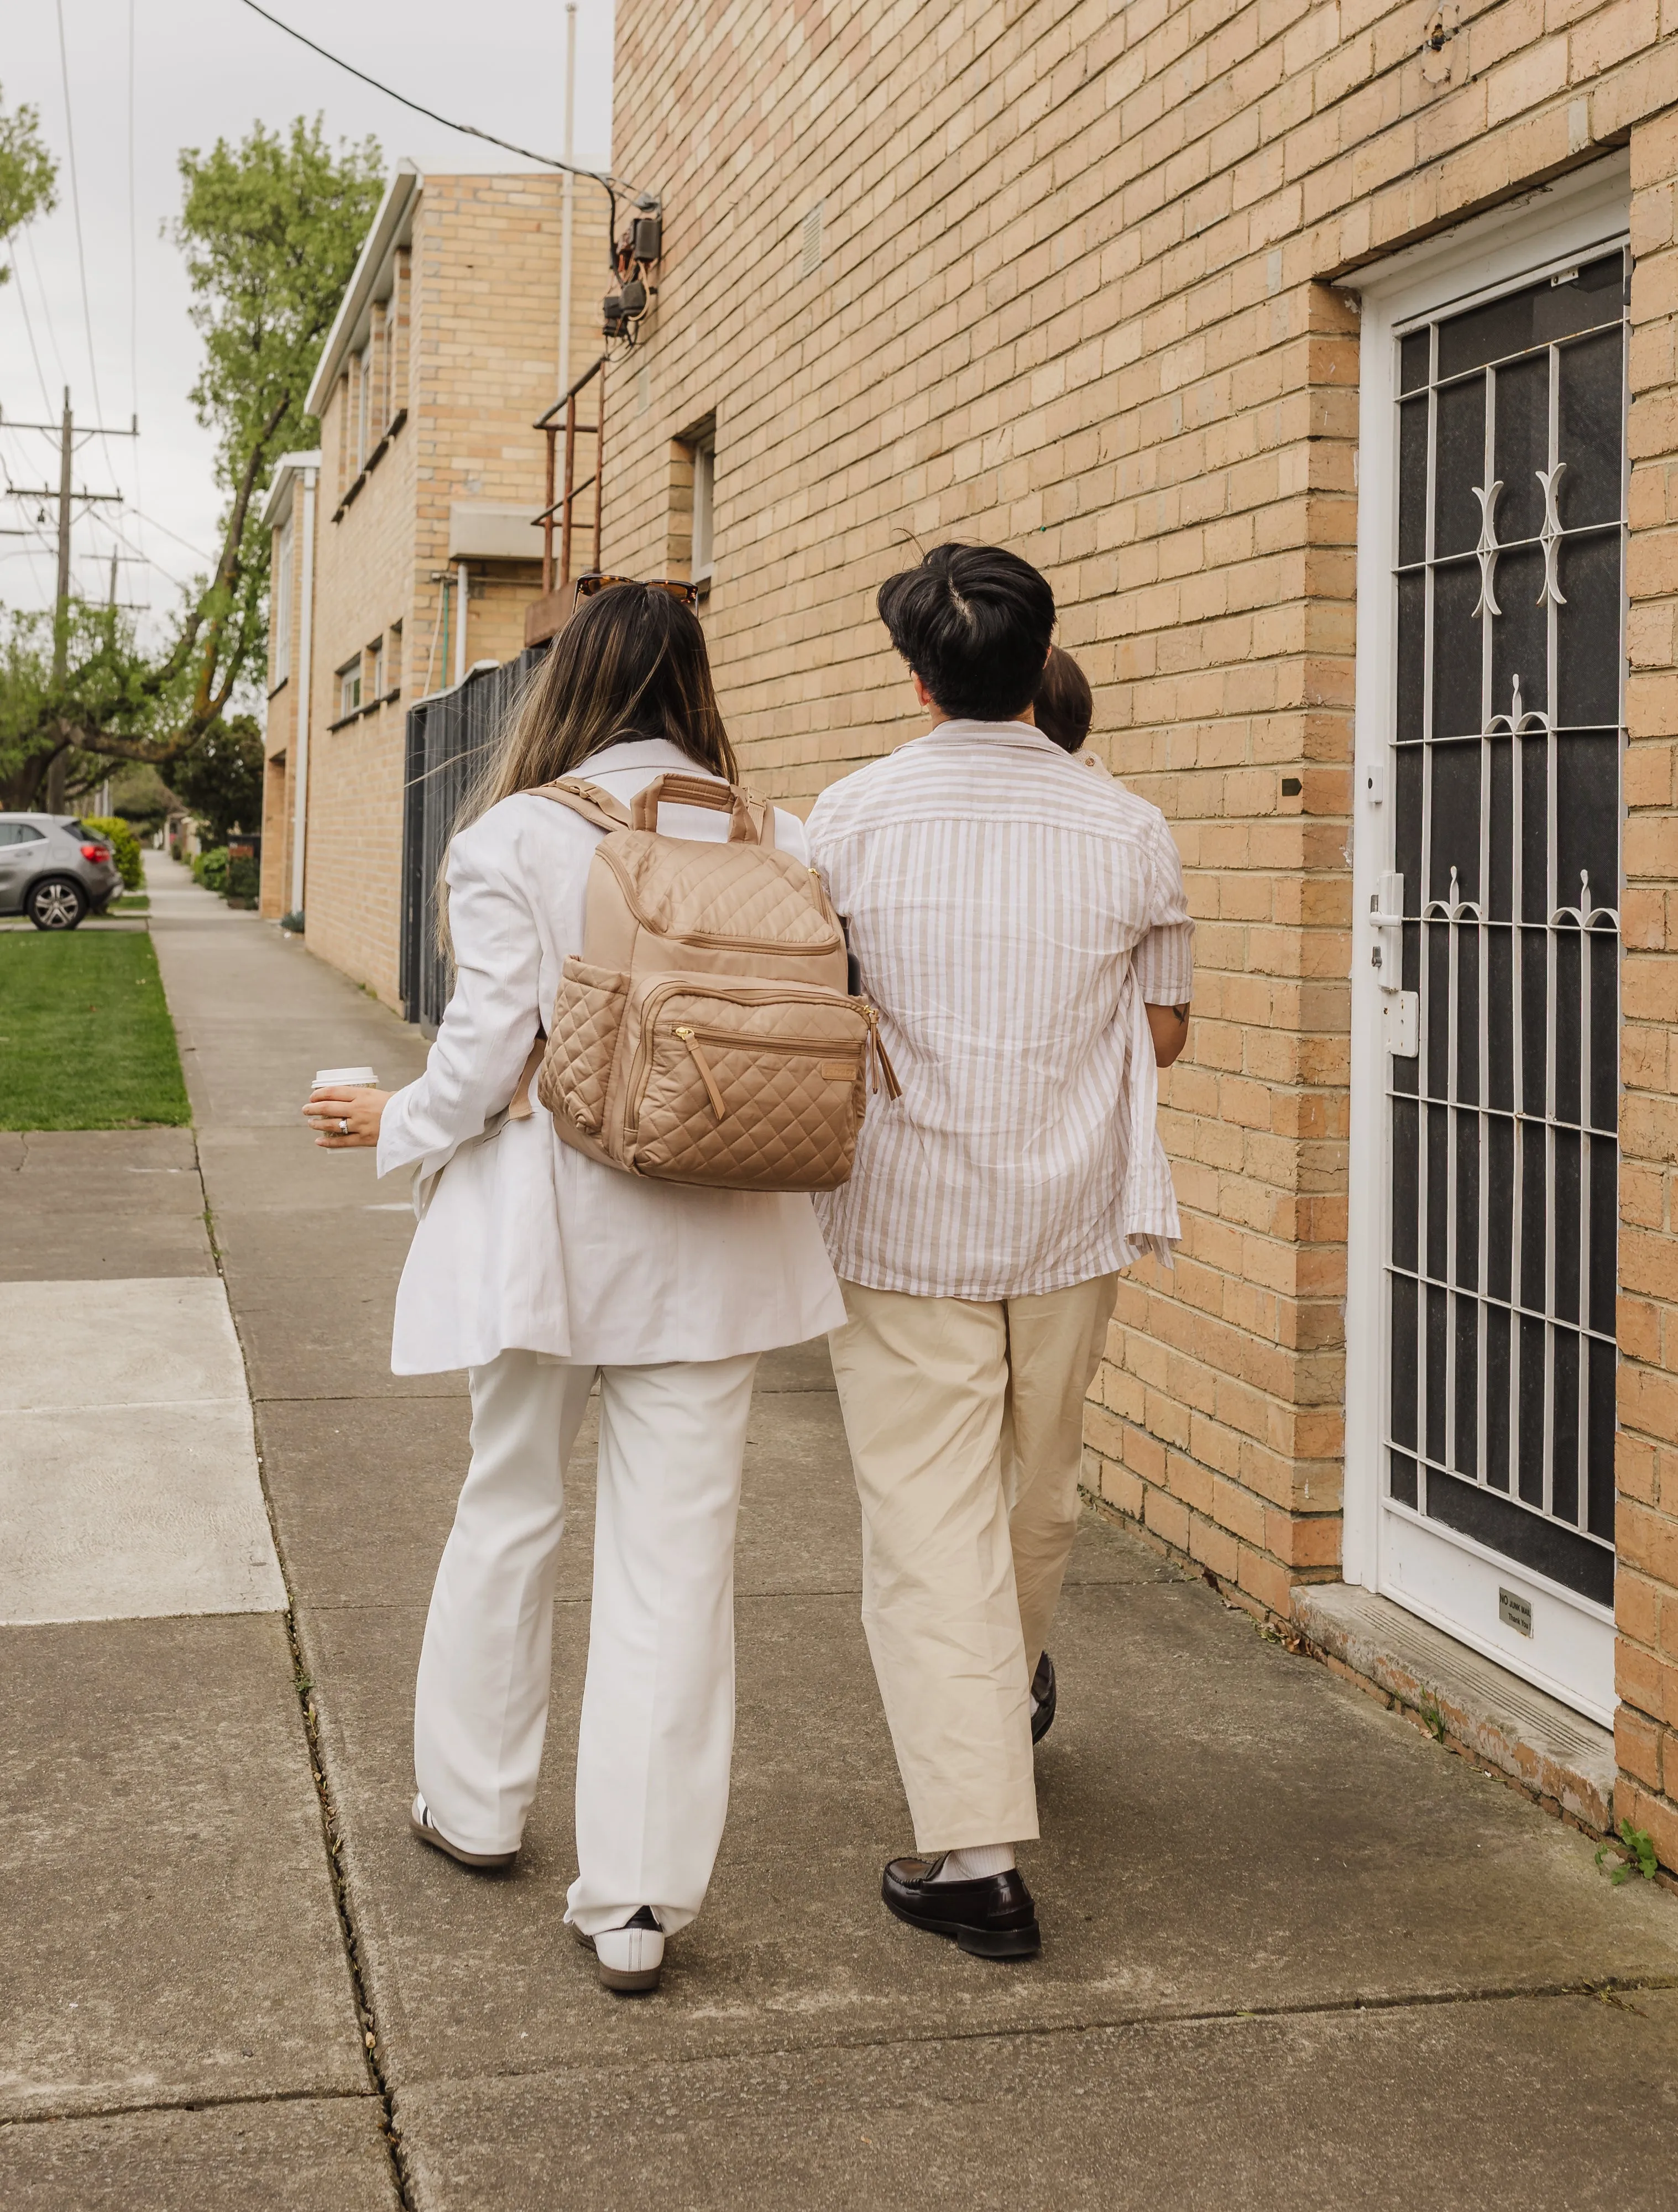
x=883, y=1067
x=705, y=1074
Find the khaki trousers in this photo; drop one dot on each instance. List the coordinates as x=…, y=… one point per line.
x=965, y=1421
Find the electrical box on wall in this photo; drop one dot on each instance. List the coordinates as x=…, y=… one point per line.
x=635, y=255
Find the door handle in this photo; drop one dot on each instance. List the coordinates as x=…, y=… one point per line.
x=1386, y=915
x=1401, y=1010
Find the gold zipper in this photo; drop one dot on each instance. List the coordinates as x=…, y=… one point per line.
x=704, y=1067
x=882, y=1068
x=641, y=1067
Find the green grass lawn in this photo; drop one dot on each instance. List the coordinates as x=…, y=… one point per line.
x=86, y=1042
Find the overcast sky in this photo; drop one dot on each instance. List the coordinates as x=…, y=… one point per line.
x=204, y=69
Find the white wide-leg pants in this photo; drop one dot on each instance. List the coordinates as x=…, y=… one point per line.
x=658, y=1716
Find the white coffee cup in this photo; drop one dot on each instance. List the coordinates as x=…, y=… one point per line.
x=343, y=1078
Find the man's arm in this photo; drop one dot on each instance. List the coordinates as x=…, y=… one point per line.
x=1164, y=958
x=1168, y=1028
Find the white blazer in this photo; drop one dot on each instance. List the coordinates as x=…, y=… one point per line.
x=525, y=1243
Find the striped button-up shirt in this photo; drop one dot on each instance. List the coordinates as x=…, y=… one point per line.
x=1011, y=914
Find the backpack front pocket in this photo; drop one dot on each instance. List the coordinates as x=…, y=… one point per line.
x=576, y=1066
x=752, y=1089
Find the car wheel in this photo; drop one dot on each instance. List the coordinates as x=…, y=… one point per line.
x=59, y=903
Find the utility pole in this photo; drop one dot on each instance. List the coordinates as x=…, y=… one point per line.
x=60, y=761
x=66, y=496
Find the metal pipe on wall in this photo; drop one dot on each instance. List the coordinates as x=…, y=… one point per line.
x=300, y=741
x=460, y=593
x=568, y=190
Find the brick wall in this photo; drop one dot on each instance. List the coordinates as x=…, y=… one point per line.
x=364, y=560
x=1071, y=295
x=1646, y=1595
x=474, y=358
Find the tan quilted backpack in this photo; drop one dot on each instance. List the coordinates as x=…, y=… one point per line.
x=704, y=1034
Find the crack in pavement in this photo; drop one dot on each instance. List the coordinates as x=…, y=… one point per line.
x=1608, y=1990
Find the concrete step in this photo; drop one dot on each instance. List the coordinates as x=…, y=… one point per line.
x=1544, y=1745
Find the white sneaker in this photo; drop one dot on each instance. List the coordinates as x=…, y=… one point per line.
x=420, y=1820
x=629, y=1959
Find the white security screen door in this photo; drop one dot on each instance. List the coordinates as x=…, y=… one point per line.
x=1489, y=934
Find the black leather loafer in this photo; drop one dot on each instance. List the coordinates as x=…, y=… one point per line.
x=993, y=1917
x=1042, y=1689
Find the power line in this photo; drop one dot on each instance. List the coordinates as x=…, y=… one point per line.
x=186, y=543
x=46, y=312
x=34, y=353
x=76, y=209
x=609, y=184
x=150, y=559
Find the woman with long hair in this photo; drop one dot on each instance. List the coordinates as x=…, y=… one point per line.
x=538, y=1270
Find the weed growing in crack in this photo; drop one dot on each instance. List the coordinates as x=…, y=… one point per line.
x=1636, y=1850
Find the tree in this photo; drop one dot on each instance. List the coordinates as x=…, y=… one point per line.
x=29, y=174
x=270, y=229
x=42, y=715
x=221, y=779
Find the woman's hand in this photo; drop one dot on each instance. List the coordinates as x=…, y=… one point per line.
x=342, y=1120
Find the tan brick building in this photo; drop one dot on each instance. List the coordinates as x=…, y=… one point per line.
x=1231, y=316
x=404, y=549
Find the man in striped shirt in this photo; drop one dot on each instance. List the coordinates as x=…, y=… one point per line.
x=1022, y=928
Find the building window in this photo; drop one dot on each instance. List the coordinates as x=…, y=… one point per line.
x=704, y=498
x=373, y=689
x=279, y=600
x=393, y=661
x=349, y=688
x=363, y=406
x=345, y=455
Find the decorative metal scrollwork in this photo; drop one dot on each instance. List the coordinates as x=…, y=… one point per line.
x=1451, y=908
x=1488, y=549
x=1585, y=915
x=1550, y=536
x=1518, y=720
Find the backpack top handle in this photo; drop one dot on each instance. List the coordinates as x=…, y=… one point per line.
x=751, y=822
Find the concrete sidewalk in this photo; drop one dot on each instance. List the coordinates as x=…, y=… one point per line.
x=1292, y=1949
x=178, y=2025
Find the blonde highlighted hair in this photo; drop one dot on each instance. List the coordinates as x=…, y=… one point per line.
x=630, y=663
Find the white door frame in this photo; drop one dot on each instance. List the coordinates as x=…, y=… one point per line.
x=1543, y=230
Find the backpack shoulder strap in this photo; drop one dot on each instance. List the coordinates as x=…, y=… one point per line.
x=587, y=800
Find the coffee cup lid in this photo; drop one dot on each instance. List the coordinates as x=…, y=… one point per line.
x=338, y=1078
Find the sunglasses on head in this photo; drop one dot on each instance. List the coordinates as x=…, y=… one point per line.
x=594, y=582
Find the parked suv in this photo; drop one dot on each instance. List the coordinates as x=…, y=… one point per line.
x=54, y=869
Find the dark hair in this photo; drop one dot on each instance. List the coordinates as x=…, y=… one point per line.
x=974, y=623
x=1065, y=707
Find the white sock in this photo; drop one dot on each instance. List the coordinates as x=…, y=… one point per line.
x=976, y=1861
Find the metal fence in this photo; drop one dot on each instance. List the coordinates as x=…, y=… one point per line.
x=448, y=735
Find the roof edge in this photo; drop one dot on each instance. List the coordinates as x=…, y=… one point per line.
x=286, y=470
x=392, y=211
